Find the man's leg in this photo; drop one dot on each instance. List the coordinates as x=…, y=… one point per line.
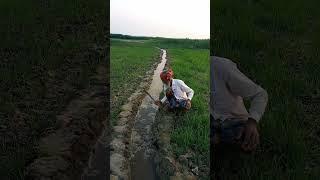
x=211, y=133
x=225, y=154
x=216, y=153
x=217, y=161
x=171, y=104
x=182, y=105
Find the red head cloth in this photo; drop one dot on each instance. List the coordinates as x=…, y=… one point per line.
x=166, y=75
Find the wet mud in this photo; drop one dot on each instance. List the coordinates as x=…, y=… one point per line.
x=132, y=133
x=142, y=137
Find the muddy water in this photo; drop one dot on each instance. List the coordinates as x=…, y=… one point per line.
x=142, y=166
x=99, y=159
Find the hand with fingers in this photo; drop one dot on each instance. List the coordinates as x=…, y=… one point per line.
x=158, y=103
x=188, y=106
x=249, y=136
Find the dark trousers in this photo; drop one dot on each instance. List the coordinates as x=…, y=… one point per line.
x=225, y=155
x=177, y=104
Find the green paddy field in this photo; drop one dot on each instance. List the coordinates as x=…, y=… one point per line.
x=130, y=59
x=47, y=54
x=276, y=44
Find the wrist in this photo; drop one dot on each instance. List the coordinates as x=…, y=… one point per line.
x=252, y=121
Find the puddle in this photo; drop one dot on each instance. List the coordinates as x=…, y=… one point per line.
x=99, y=159
x=142, y=166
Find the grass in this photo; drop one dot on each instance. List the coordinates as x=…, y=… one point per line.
x=132, y=58
x=164, y=42
x=276, y=44
x=191, y=130
x=45, y=59
x=167, y=43
x=129, y=63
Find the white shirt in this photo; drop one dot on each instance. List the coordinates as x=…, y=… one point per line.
x=180, y=90
x=228, y=87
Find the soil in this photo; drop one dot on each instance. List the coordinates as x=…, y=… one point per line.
x=64, y=151
x=56, y=80
x=121, y=132
x=169, y=166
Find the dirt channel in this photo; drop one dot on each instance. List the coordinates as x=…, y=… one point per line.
x=140, y=146
x=126, y=135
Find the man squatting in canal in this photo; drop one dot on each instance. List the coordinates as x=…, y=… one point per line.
x=177, y=94
x=232, y=128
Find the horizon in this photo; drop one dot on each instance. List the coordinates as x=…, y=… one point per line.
x=154, y=36
x=188, y=19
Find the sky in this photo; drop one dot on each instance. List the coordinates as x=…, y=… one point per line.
x=161, y=18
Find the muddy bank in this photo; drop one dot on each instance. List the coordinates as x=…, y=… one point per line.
x=121, y=132
x=46, y=61
x=65, y=149
x=169, y=164
x=141, y=148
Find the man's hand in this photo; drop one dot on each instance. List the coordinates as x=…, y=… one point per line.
x=249, y=136
x=188, y=106
x=158, y=103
